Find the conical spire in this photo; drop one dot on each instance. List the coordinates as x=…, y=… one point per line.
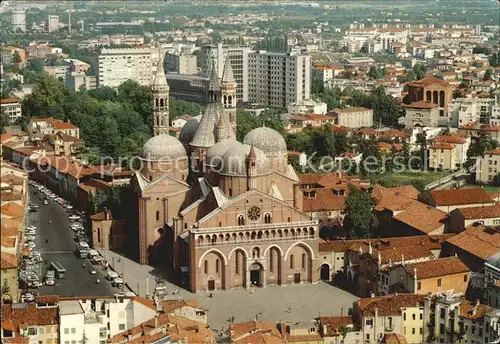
x=227, y=74
x=160, y=77
x=223, y=129
x=214, y=84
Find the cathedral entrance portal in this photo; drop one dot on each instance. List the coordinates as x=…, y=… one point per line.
x=256, y=274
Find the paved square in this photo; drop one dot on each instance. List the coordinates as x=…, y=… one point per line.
x=288, y=303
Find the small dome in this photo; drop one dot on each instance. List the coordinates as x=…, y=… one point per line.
x=234, y=161
x=163, y=147
x=266, y=139
x=189, y=129
x=215, y=153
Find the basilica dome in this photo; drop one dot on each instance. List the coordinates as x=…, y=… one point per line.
x=266, y=139
x=163, y=148
x=189, y=130
x=234, y=161
x=215, y=153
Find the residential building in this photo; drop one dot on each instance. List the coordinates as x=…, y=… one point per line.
x=327, y=72
x=180, y=62
x=53, y=23
x=99, y=318
x=31, y=323
x=462, y=218
x=298, y=122
x=332, y=329
x=6, y=53
x=430, y=277
x=12, y=108
x=39, y=127
x=119, y=65
x=474, y=245
x=77, y=80
x=402, y=314
x=421, y=114
x=18, y=20
x=448, y=200
x=78, y=66
x=9, y=267
x=308, y=106
x=278, y=79
x=238, y=57
x=400, y=213
x=488, y=166
x=61, y=144
x=468, y=110
x=189, y=309
x=475, y=130
x=354, y=118
x=448, y=152
x=432, y=90
x=58, y=72
x=305, y=332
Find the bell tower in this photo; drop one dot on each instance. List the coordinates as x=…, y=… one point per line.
x=228, y=92
x=160, y=100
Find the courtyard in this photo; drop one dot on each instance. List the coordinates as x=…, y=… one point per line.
x=292, y=303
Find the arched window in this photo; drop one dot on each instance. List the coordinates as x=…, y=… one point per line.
x=289, y=219
x=157, y=215
x=237, y=265
x=225, y=100
x=271, y=262
x=217, y=266
x=267, y=218
x=200, y=240
x=230, y=100
x=256, y=252
x=291, y=262
x=428, y=97
x=156, y=102
x=206, y=266
x=441, y=98
x=303, y=261
x=241, y=220
x=435, y=97
x=220, y=224
x=162, y=103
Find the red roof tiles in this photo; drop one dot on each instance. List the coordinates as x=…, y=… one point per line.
x=437, y=267
x=478, y=240
x=460, y=196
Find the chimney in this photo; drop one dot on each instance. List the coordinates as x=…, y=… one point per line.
x=402, y=259
x=129, y=336
x=415, y=281
x=156, y=321
x=390, y=262
x=379, y=259
x=360, y=250
x=370, y=251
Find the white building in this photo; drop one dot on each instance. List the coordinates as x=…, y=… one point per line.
x=488, y=166
x=18, y=20
x=53, y=23
x=308, y=106
x=12, y=108
x=463, y=111
x=119, y=65
x=279, y=79
x=239, y=63
x=355, y=117
x=100, y=318
x=180, y=62
x=75, y=80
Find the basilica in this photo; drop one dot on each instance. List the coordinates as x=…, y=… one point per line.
x=226, y=214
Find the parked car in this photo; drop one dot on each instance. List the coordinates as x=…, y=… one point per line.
x=45, y=202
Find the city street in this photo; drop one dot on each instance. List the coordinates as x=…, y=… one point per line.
x=52, y=224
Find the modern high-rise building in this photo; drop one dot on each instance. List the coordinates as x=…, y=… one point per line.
x=238, y=56
x=278, y=79
x=53, y=23
x=119, y=65
x=18, y=20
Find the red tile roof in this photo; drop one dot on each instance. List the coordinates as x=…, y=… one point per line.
x=428, y=80
x=420, y=216
x=473, y=311
x=421, y=105
x=9, y=100
x=473, y=213
x=9, y=261
x=478, y=240
x=460, y=196
x=437, y=267
x=169, y=306
x=13, y=210
x=389, y=305
x=323, y=201
x=450, y=138
x=394, y=338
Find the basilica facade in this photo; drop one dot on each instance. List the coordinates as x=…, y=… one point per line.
x=227, y=214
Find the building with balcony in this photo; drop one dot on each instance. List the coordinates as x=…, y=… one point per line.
x=12, y=108
x=488, y=167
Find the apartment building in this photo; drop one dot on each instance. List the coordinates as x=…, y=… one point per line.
x=99, y=318
x=464, y=217
x=448, y=152
x=58, y=72
x=39, y=127
x=308, y=106
x=180, y=62
x=354, y=118
x=327, y=72
x=119, y=65
x=488, y=166
x=53, y=23
x=279, y=79
x=12, y=108
x=421, y=114
x=77, y=80
x=238, y=56
x=430, y=277
x=463, y=111
x=401, y=314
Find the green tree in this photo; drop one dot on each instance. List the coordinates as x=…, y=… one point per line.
x=16, y=58
x=4, y=120
x=376, y=73
x=179, y=107
x=329, y=141
x=138, y=96
x=341, y=144
x=422, y=143
x=487, y=75
x=246, y=122
x=46, y=98
x=420, y=71
x=359, y=221
x=272, y=119
x=406, y=152
x=494, y=59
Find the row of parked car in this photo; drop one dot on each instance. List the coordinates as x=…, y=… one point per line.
x=46, y=194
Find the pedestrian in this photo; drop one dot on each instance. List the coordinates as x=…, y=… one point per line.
x=46, y=241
